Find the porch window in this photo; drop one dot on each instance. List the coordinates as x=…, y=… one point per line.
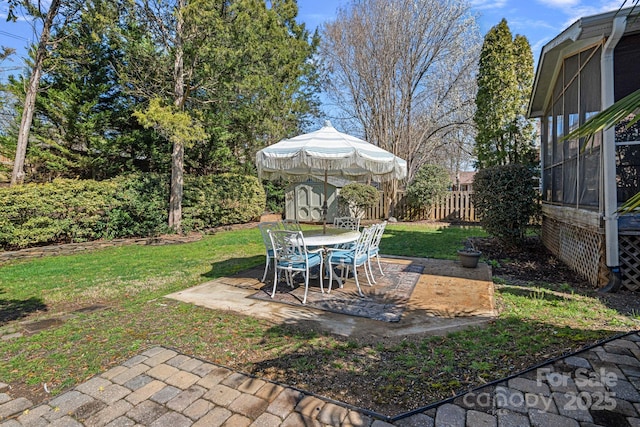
x=627, y=80
x=571, y=176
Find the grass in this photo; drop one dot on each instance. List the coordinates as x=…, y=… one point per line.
x=536, y=323
x=424, y=241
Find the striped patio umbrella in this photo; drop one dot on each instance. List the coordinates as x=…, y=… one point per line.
x=327, y=152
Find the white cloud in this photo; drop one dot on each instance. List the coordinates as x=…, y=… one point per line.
x=488, y=4
x=584, y=8
x=559, y=3
x=524, y=25
x=576, y=9
x=537, y=46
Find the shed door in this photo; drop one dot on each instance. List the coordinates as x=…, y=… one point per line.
x=308, y=201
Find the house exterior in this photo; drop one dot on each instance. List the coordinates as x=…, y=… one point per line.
x=463, y=181
x=585, y=69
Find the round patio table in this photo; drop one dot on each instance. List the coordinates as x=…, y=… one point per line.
x=333, y=236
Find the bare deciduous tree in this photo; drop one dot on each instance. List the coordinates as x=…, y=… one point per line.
x=403, y=72
x=17, y=176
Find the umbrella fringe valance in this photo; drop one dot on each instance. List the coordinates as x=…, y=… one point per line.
x=304, y=176
x=336, y=168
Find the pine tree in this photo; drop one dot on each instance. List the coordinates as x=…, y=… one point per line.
x=505, y=77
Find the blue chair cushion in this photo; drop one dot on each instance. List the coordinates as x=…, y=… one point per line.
x=300, y=262
x=345, y=257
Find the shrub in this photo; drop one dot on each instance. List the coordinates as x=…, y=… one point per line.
x=507, y=200
x=214, y=200
x=69, y=210
x=359, y=197
x=275, y=192
x=429, y=185
x=64, y=210
x=139, y=207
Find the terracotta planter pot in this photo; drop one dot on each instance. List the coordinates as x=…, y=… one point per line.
x=469, y=259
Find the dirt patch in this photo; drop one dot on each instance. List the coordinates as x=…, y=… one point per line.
x=533, y=264
x=40, y=325
x=270, y=217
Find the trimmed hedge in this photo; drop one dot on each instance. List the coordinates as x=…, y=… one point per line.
x=358, y=198
x=215, y=200
x=507, y=200
x=430, y=184
x=62, y=211
x=130, y=206
x=139, y=207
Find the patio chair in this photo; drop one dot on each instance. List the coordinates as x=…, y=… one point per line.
x=265, y=227
x=291, y=256
x=374, y=247
x=353, y=258
x=349, y=222
x=291, y=224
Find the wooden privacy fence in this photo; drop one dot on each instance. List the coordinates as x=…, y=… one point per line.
x=455, y=206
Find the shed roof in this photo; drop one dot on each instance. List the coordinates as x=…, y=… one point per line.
x=584, y=32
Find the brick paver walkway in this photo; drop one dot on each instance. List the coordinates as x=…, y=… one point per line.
x=598, y=386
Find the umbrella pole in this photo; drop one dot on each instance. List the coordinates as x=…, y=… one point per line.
x=324, y=205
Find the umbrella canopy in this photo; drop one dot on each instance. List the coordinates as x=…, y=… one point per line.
x=328, y=152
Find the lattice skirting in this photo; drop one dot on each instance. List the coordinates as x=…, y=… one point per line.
x=580, y=248
x=630, y=260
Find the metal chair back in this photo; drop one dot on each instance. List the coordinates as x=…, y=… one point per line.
x=347, y=222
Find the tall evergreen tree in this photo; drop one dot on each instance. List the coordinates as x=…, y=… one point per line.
x=239, y=68
x=243, y=69
x=82, y=124
x=505, y=78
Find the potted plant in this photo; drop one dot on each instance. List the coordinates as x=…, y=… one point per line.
x=469, y=256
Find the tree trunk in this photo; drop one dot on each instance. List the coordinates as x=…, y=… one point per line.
x=17, y=176
x=390, y=190
x=177, y=182
x=177, y=156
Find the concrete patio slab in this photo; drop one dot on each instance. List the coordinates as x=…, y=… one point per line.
x=447, y=297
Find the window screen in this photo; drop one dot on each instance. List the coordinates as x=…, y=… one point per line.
x=589, y=179
x=627, y=81
x=557, y=183
x=570, y=182
x=571, y=111
x=628, y=168
x=571, y=176
x=590, y=95
x=625, y=66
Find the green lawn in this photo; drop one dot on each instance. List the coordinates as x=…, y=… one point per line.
x=536, y=322
x=424, y=241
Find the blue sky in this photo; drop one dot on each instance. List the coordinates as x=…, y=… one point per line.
x=538, y=20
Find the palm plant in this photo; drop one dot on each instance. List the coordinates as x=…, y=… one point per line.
x=621, y=110
x=628, y=108
x=624, y=109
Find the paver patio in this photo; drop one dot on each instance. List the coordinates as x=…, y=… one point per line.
x=161, y=387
